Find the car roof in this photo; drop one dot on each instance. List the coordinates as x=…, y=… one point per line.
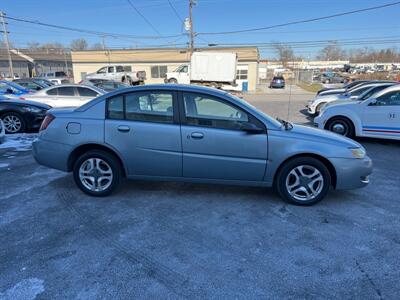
x=392, y=88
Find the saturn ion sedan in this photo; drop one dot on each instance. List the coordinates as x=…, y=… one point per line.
x=195, y=134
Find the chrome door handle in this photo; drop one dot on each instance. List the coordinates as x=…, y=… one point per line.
x=197, y=135
x=123, y=128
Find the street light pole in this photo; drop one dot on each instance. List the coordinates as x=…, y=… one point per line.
x=5, y=33
x=191, y=32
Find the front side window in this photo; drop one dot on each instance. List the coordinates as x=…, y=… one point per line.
x=359, y=91
x=102, y=70
x=158, y=71
x=372, y=91
x=389, y=99
x=110, y=69
x=52, y=92
x=204, y=110
x=142, y=106
x=66, y=91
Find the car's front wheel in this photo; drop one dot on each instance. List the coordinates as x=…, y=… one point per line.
x=97, y=173
x=341, y=125
x=303, y=181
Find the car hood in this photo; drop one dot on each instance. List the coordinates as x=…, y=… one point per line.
x=345, y=102
x=26, y=102
x=323, y=136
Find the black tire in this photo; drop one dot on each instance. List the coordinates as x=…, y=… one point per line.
x=348, y=126
x=127, y=80
x=284, y=173
x=172, y=80
x=113, y=163
x=16, y=116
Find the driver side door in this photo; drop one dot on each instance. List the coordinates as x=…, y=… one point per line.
x=382, y=117
x=213, y=144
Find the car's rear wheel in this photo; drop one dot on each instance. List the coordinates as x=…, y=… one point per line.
x=342, y=126
x=13, y=122
x=97, y=173
x=303, y=181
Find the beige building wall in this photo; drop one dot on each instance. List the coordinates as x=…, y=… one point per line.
x=85, y=62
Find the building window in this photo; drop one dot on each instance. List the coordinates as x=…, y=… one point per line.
x=241, y=74
x=158, y=71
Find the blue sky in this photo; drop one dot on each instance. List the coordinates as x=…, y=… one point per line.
x=117, y=16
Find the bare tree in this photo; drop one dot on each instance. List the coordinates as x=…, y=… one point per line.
x=79, y=44
x=33, y=45
x=97, y=46
x=284, y=52
x=331, y=52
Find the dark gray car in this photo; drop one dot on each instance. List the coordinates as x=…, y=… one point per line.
x=195, y=134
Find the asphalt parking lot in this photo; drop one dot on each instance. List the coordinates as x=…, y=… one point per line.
x=177, y=240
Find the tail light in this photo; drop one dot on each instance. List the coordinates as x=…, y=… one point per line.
x=22, y=98
x=46, y=122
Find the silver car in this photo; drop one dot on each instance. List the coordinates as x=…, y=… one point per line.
x=195, y=134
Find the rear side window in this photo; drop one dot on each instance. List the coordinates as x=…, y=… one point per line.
x=85, y=92
x=142, y=106
x=115, y=108
x=66, y=91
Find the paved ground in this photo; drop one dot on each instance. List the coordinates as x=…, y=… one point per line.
x=175, y=240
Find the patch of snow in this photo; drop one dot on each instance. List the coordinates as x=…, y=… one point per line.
x=2, y=165
x=19, y=142
x=25, y=289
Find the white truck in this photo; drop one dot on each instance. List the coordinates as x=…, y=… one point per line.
x=216, y=69
x=119, y=73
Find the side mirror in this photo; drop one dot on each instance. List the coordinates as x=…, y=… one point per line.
x=38, y=88
x=9, y=91
x=373, y=102
x=251, y=128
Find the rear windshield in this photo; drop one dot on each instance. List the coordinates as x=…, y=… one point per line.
x=60, y=74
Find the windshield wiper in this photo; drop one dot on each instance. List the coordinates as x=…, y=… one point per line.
x=285, y=124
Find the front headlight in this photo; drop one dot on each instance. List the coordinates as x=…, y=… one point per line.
x=358, y=152
x=32, y=109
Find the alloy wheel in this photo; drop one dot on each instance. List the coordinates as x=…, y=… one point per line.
x=95, y=174
x=12, y=123
x=304, y=182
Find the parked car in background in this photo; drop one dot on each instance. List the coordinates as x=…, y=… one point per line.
x=195, y=134
x=21, y=115
x=357, y=93
x=32, y=84
x=57, y=77
x=377, y=116
x=107, y=85
x=277, y=82
x=2, y=131
x=331, y=78
x=9, y=88
x=328, y=91
x=118, y=73
x=66, y=95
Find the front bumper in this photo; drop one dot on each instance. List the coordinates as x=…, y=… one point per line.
x=352, y=173
x=51, y=154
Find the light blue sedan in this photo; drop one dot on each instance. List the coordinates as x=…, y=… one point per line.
x=195, y=134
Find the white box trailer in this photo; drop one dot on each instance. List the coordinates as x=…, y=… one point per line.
x=207, y=68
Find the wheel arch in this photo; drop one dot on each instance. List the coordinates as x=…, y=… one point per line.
x=325, y=161
x=81, y=149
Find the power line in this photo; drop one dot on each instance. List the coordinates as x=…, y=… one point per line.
x=175, y=11
x=92, y=32
x=144, y=18
x=303, y=21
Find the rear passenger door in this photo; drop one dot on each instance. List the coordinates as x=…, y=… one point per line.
x=143, y=128
x=215, y=146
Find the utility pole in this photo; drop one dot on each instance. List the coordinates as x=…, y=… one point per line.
x=191, y=32
x=5, y=33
